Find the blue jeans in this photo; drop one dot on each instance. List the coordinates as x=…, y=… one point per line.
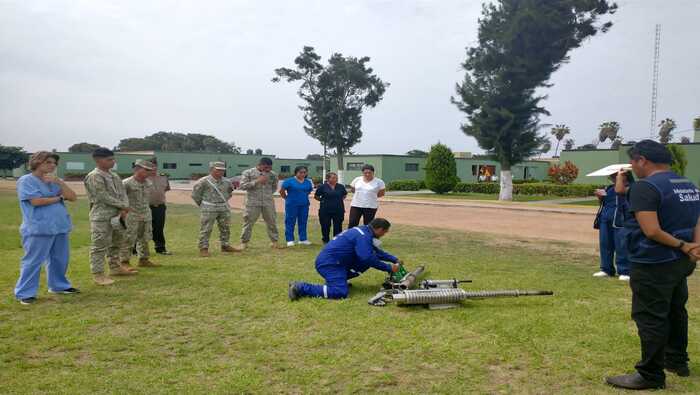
x=612, y=249
x=336, y=286
x=295, y=215
x=54, y=250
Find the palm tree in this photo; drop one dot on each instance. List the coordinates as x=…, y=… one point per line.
x=559, y=132
x=666, y=128
x=569, y=144
x=608, y=131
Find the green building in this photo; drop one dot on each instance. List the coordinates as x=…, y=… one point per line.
x=182, y=165
x=401, y=167
x=588, y=161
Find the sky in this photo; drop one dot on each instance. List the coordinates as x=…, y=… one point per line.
x=99, y=71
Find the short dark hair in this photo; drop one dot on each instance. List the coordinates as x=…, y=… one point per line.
x=265, y=161
x=368, y=167
x=330, y=174
x=154, y=160
x=380, y=223
x=300, y=168
x=38, y=158
x=653, y=151
x=102, y=152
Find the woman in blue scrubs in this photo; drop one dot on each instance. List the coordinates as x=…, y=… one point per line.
x=45, y=228
x=295, y=191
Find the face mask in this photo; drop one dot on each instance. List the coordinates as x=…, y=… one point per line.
x=376, y=242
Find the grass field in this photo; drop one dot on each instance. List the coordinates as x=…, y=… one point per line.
x=224, y=324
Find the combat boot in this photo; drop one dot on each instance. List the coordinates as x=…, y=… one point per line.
x=228, y=248
x=101, y=279
x=145, y=262
x=241, y=247
x=127, y=265
x=204, y=252
x=121, y=271
x=275, y=245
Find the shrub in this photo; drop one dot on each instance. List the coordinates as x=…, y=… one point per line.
x=440, y=169
x=483, y=187
x=404, y=185
x=527, y=181
x=542, y=189
x=680, y=162
x=563, y=174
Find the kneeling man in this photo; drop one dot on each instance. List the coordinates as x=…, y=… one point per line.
x=347, y=256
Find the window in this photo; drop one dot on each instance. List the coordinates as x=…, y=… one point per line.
x=354, y=165
x=411, y=166
x=75, y=166
x=195, y=164
x=285, y=169
x=170, y=165
x=475, y=170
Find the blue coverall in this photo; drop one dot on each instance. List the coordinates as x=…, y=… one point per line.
x=347, y=256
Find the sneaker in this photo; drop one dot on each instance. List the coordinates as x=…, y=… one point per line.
x=601, y=274
x=27, y=301
x=294, y=291
x=624, y=277
x=69, y=291
x=291, y=244
x=101, y=279
x=305, y=242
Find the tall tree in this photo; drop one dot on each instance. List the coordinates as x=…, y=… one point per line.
x=559, y=132
x=168, y=141
x=666, y=128
x=258, y=151
x=441, y=169
x=608, y=131
x=12, y=158
x=83, y=147
x=334, y=97
x=416, y=153
x=520, y=44
x=569, y=144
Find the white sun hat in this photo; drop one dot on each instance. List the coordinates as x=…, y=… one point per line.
x=609, y=170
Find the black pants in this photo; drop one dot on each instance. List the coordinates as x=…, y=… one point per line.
x=659, y=295
x=158, y=214
x=367, y=215
x=325, y=219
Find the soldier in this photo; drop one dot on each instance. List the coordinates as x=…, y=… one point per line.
x=211, y=193
x=260, y=184
x=109, y=206
x=139, y=230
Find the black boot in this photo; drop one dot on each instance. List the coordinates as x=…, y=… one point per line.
x=633, y=381
x=680, y=370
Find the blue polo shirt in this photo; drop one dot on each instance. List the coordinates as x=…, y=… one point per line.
x=297, y=192
x=48, y=220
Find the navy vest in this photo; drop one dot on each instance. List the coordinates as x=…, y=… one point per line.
x=678, y=213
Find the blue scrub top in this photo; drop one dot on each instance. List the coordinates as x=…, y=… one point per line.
x=609, y=204
x=297, y=192
x=49, y=220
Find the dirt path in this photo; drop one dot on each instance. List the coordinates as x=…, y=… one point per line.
x=515, y=221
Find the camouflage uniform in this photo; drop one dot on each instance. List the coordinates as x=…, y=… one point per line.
x=139, y=229
x=259, y=200
x=213, y=208
x=107, y=198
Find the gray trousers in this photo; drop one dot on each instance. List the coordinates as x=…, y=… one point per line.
x=250, y=217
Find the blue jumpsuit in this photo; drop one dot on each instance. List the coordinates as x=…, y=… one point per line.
x=347, y=256
x=44, y=233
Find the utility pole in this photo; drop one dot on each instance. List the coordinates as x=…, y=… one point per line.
x=655, y=81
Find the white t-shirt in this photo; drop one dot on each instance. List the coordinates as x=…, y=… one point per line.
x=365, y=195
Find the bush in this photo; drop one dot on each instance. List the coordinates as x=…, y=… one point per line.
x=440, y=169
x=543, y=189
x=563, y=174
x=680, y=161
x=404, y=185
x=528, y=181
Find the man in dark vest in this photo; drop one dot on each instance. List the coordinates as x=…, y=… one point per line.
x=663, y=242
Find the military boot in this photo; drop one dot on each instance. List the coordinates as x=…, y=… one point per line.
x=204, y=252
x=127, y=265
x=145, y=262
x=121, y=271
x=101, y=279
x=228, y=248
x=241, y=247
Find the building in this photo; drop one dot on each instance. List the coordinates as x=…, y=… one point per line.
x=590, y=160
x=401, y=167
x=182, y=165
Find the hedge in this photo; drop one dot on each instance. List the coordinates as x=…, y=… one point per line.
x=546, y=189
x=405, y=185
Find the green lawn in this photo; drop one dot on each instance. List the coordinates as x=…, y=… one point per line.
x=472, y=196
x=224, y=324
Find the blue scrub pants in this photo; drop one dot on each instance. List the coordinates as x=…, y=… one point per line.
x=295, y=215
x=336, y=286
x=55, y=251
x=612, y=250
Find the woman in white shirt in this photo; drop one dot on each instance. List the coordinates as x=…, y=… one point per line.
x=365, y=199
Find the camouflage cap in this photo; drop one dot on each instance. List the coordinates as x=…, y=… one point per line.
x=144, y=164
x=217, y=165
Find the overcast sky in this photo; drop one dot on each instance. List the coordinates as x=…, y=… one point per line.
x=99, y=71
